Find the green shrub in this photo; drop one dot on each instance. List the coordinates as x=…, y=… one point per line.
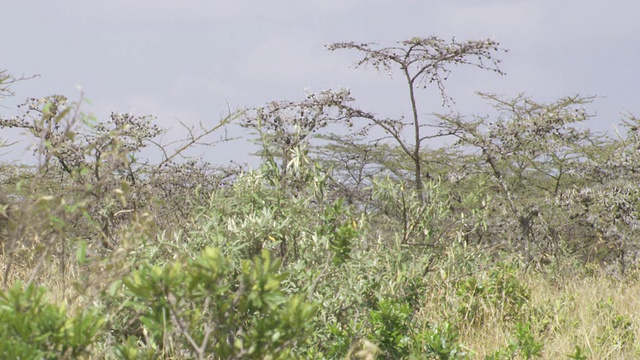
x=524, y=345
x=210, y=307
x=500, y=293
x=618, y=330
x=33, y=328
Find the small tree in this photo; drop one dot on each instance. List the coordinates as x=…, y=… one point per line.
x=532, y=150
x=422, y=61
x=7, y=80
x=90, y=182
x=286, y=128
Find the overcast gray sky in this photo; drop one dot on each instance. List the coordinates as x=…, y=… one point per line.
x=188, y=59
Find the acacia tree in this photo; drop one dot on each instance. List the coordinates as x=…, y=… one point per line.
x=90, y=184
x=533, y=152
x=7, y=80
x=285, y=128
x=422, y=61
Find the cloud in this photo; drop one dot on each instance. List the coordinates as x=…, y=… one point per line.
x=186, y=59
x=156, y=11
x=166, y=12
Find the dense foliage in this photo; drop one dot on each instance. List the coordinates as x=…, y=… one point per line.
x=518, y=240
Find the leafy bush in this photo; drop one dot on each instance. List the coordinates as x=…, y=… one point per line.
x=210, y=307
x=501, y=293
x=33, y=328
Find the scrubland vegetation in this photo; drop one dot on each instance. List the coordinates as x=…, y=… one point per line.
x=516, y=241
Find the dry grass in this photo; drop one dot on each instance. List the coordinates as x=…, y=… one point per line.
x=566, y=308
x=597, y=312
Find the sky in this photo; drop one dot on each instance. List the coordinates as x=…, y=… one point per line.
x=191, y=61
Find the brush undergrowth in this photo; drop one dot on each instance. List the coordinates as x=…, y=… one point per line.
x=223, y=287
x=104, y=255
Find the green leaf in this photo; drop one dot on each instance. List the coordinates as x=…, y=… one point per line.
x=81, y=252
